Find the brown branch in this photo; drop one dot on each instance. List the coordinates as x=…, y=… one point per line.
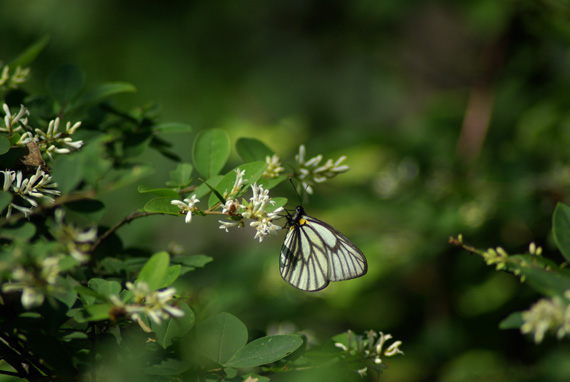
x=127, y=219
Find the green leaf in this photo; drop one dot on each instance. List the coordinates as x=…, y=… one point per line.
x=203, y=189
x=220, y=337
x=161, y=205
x=211, y=151
x=253, y=171
x=251, y=150
x=65, y=83
x=561, y=229
x=195, y=261
x=269, y=183
x=513, y=321
x=172, y=127
x=171, y=275
x=98, y=312
x=104, y=288
x=4, y=144
x=180, y=177
x=174, y=328
x=154, y=271
x=89, y=296
x=18, y=231
x=89, y=210
x=279, y=202
x=66, y=263
x=102, y=92
x=162, y=192
x=168, y=366
x=546, y=282
x=30, y=53
x=265, y=350
x=5, y=199
x=67, y=294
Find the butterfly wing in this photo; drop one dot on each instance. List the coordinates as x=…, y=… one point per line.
x=314, y=253
x=304, y=262
x=346, y=261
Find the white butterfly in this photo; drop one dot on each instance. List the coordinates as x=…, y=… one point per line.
x=314, y=253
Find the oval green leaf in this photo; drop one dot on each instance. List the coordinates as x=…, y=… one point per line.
x=162, y=206
x=171, y=275
x=561, y=229
x=162, y=192
x=220, y=337
x=20, y=231
x=211, y=151
x=103, y=287
x=180, y=177
x=174, y=328
x=251, y=150
x=265, y=350
x=154, y=271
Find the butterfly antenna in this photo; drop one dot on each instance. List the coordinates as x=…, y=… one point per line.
x=297, y=192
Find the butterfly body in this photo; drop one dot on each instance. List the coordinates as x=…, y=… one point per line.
x=314, y=253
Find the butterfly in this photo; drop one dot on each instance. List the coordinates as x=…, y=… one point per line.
x=314, y=253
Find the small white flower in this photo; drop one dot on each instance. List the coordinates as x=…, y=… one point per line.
x=226, y=224
x=188, y=206
x=230, y=207
x=264, y=227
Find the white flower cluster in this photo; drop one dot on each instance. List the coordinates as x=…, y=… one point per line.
x=51, y=141
x=37, y=277
x=15, y=123
x=370, y=347
x=311, y=171
x=11, y=81
x=35, y=282
x=255, y=210
x=54, y=141
x=76, y=242
x=157, y=305
x=274, y=167
x=548, y=315
x=30, y=189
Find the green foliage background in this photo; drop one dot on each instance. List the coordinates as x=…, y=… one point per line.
x=391, y=85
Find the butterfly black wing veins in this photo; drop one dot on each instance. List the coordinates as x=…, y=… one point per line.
x=314, y=253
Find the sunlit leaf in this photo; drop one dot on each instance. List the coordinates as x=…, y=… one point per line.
x=154, y=271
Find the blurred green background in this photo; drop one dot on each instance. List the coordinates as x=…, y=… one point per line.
x=455, y=119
